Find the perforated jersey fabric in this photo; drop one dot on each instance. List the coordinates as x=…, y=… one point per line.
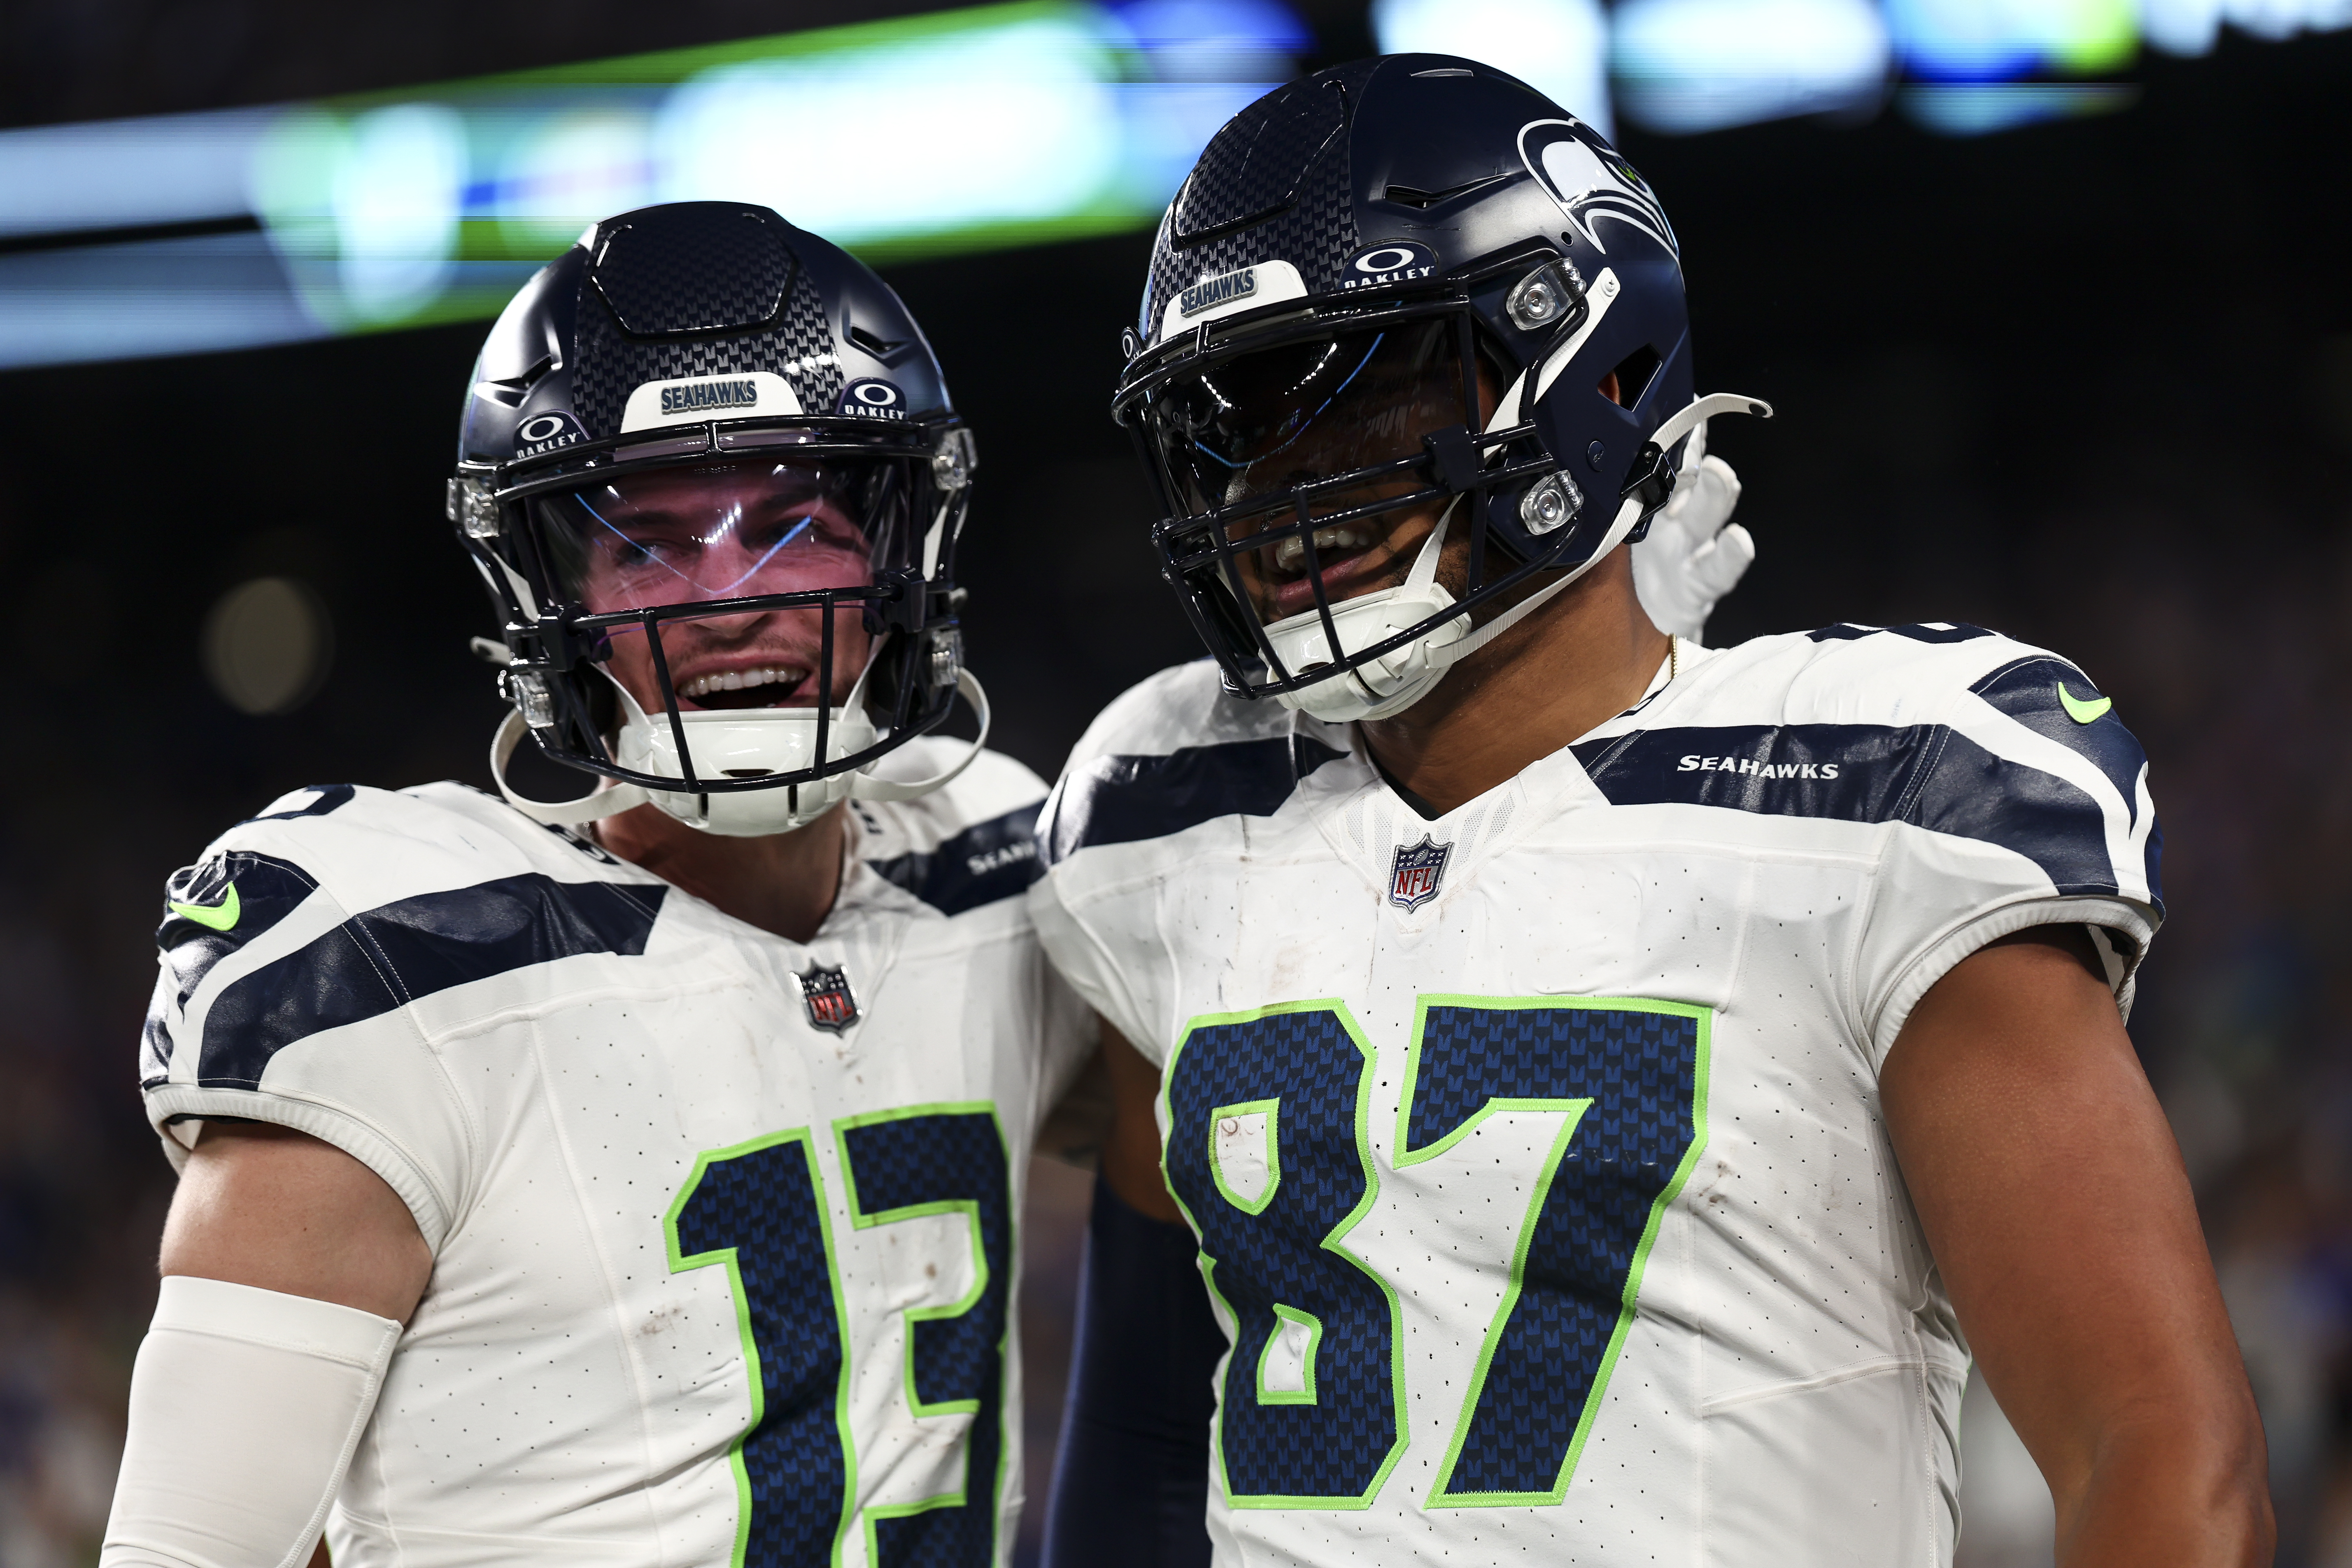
x=1583, y=1154
x=686, y=1244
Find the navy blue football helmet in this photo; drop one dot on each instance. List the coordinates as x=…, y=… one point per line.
x=1407, y=287
x=709, y=455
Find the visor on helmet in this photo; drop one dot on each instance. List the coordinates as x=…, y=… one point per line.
x=1310, y=455
x=802, y=541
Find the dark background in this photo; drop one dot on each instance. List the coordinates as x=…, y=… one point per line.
x=2087, y=383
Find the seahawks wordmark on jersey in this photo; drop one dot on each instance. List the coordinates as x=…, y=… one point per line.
x=1535, y=1152
x=722, y=1226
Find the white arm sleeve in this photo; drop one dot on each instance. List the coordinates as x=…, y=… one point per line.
x=245, y=1407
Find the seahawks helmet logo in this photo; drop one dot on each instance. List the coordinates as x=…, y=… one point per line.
x=1591, y=183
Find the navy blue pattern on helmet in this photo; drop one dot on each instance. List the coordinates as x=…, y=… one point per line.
x=705, y=267
x=1273, y=182
x=1337, y=1445
x=1640, y=1070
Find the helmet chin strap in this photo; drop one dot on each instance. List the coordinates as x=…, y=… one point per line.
x=1439, y=657
x=1692, y=416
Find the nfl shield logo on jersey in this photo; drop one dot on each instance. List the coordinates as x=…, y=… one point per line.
x=830, y=1003
x=1419, y=868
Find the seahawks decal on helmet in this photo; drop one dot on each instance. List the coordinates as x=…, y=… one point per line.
x=1591, y=184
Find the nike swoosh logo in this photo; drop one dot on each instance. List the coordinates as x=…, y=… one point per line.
x=223, y=915
x=2079, y=712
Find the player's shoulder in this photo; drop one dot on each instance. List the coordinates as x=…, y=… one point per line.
x=1177, y=750
x=425, y=889
x=970, y=844
x=367, y=848
x=1921, y=673
x=1953, y=728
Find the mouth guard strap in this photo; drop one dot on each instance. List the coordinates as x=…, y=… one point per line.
x=609, y=801
x=1424, y=565
x=867, y=786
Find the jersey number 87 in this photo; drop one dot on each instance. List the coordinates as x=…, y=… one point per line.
x=1269, y=1153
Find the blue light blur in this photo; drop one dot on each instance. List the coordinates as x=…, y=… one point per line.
x=1560, y=47
x=995, y=125
x=1687, y=66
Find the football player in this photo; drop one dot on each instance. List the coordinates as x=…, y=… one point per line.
x=631, y=1179
x=1612, y=1088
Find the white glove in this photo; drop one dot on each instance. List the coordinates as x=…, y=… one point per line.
x=1694, y=553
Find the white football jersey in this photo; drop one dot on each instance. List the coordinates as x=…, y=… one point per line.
x=722, y=1226
x=1535, y=1152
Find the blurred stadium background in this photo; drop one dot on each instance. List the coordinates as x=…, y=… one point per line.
x=2051, y=294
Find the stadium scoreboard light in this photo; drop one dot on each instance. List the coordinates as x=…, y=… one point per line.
x=997, y=125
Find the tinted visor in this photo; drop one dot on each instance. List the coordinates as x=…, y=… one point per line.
x=741, y=528
x=1260, y=424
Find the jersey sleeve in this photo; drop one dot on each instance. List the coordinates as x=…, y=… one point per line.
x=2028, y=806
x=304, y=960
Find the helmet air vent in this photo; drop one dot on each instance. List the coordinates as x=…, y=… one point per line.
x=1634, y=373
x=1413, y=196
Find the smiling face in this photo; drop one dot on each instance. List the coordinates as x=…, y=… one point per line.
x=676, y=536
x=1257, y=425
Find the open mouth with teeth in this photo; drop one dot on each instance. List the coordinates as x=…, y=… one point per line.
x=1352, y=558
x=765, y=686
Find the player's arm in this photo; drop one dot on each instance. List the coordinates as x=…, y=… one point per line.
x=2059, y=1213
x=279, y=1210
x=288, y=1268
x=1131, y=1484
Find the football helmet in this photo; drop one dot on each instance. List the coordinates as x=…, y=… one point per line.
x=1372, y=377
x=710, y=472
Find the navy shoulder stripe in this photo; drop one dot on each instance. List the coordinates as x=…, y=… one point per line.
x=391, y=955
x=1917, y=631
x=1925, y=774
x=1118, y=799
x=2036, y=690
x=991, y=860
x=210, y=910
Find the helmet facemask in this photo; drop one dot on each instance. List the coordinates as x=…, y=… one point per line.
x=1331, y=477
x=740, y=634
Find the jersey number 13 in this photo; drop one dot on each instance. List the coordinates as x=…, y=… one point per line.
x=758, y=1210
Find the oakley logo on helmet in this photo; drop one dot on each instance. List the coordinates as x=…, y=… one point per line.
x=874, y=399
x=691, y=400
x=1403, y=262
x=545, y=433
x=1585, y=175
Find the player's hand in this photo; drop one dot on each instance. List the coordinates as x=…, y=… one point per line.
x=1694, y=553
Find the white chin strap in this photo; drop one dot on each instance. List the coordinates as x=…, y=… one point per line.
x=737, y=743
x=1385, y=687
